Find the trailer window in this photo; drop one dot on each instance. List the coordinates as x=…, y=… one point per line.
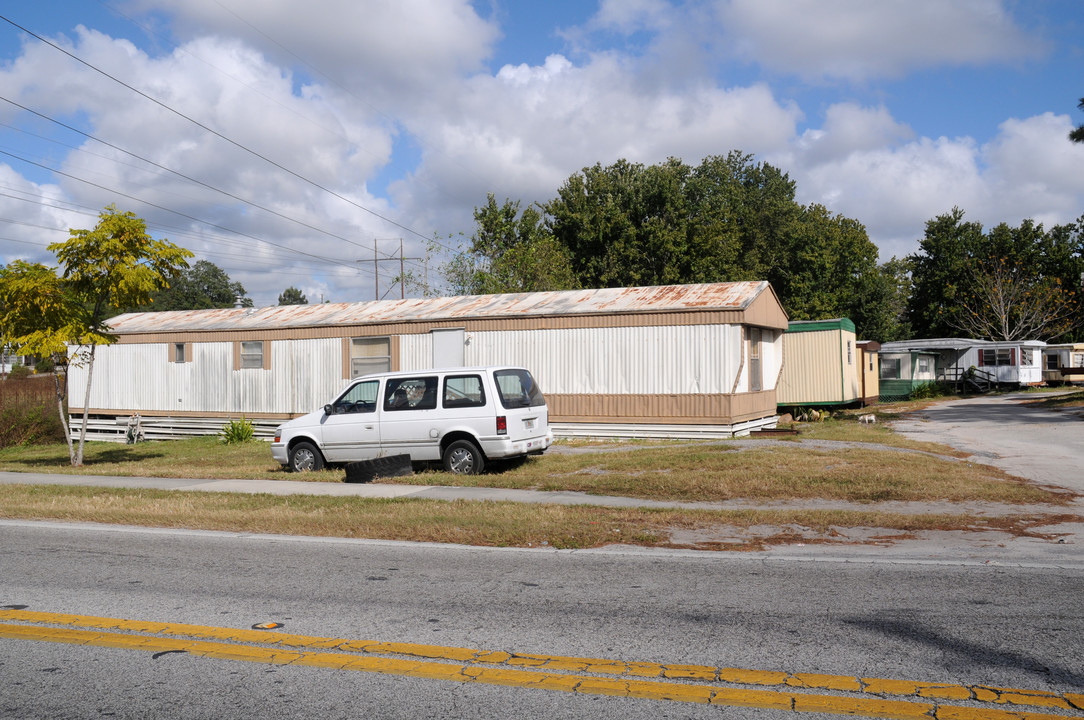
x=369, y=356
x=991, y=357
x=252, y=354
x=890, y=368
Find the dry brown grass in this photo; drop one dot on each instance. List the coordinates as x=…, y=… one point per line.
x=468, y=523
x=702, y=471
x=783, y=471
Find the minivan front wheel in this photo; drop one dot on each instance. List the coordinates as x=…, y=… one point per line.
x=463, y=457
x=305, y=457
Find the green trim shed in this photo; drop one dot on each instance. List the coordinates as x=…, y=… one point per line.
x=821, y=364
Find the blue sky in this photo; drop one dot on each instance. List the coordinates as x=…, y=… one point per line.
x=336, y=126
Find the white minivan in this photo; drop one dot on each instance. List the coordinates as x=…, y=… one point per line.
x=460, y=416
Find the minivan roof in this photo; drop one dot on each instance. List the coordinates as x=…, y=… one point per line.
x=442, y=371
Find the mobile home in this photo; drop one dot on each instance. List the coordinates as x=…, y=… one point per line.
x=664, y=361
x=966, y=363
x=1063, y=363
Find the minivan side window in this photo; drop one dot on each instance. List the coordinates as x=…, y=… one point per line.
x=518, y=389
x=418, y=393
x=360, y=398
x=464, y=391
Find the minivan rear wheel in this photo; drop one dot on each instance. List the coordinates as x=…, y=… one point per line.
x=304, y=457
x=462, y=457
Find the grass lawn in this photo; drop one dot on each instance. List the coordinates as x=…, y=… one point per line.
x=870, y=464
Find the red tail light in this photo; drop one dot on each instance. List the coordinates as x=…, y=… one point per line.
x=502, y=425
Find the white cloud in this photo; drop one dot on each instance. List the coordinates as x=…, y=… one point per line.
x=858, y=39
x=629, y=16
x=381, y=51
x=1030, y=170
x=521, y=133
x=849, y=128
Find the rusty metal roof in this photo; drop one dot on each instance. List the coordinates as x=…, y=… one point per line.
x=666, y=298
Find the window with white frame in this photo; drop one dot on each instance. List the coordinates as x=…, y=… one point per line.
x=924, y=365
x=850, y=358
x=890, y=368
x=369, y=355
x=252, y=354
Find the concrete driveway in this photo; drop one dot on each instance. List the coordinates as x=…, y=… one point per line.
x=1009, y=432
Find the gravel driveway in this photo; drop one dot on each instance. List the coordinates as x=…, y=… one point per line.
x=1009, y=432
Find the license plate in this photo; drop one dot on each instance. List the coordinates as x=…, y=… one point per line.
x=529, y=423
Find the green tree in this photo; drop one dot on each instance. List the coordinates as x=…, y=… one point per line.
x=113, y=266
x=292, y=296
x=1007, y=284
x=510, y=251
x=1077, y=134
x=39, y=315
x=939, y=271
x=879, y=305
x=729, y=218
x=202, y=286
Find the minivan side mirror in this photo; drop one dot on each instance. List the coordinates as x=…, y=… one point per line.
x=328, y=410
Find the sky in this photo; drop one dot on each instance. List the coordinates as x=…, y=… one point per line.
x=325, y=145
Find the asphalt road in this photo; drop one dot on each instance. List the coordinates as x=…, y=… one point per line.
x=801, y=625
x=942, y=623
x=1010, y=432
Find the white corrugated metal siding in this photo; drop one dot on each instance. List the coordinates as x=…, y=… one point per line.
x=304, y=375
x=621, y=361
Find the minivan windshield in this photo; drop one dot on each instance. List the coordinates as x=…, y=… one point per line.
x=518, y=389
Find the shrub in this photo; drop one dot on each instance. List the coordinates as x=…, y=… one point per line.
x=19, y=372
x=44, y=366
x=926, y=391
x=28, y=413
x=238, y=431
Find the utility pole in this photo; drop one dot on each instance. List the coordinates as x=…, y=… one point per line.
x=402, y=268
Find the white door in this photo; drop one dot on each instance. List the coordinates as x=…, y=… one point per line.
x=351, y=432
x=448, y=348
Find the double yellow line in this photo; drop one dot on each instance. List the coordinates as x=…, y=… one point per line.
x=796, y=692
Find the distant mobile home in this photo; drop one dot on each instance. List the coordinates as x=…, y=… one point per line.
x=672, y=360
x=824, y=365
x=1063, y=363
x=907, y=364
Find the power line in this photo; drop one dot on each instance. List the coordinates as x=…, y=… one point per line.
x=214, y=132
x=169, y=210
x=180, y=174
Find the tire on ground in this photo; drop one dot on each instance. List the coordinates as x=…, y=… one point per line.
x=463, y=457
x=305, y=457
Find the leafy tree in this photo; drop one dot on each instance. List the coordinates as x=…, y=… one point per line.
x=39, y=315
x=115, y=265
x=292, y=296
x=202, y=286
x=510, y=251
x=1010, y=283
x=938, y=270
x=1007, y=301
x=879, y=305
x=728, y=218
x=1077, y=134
